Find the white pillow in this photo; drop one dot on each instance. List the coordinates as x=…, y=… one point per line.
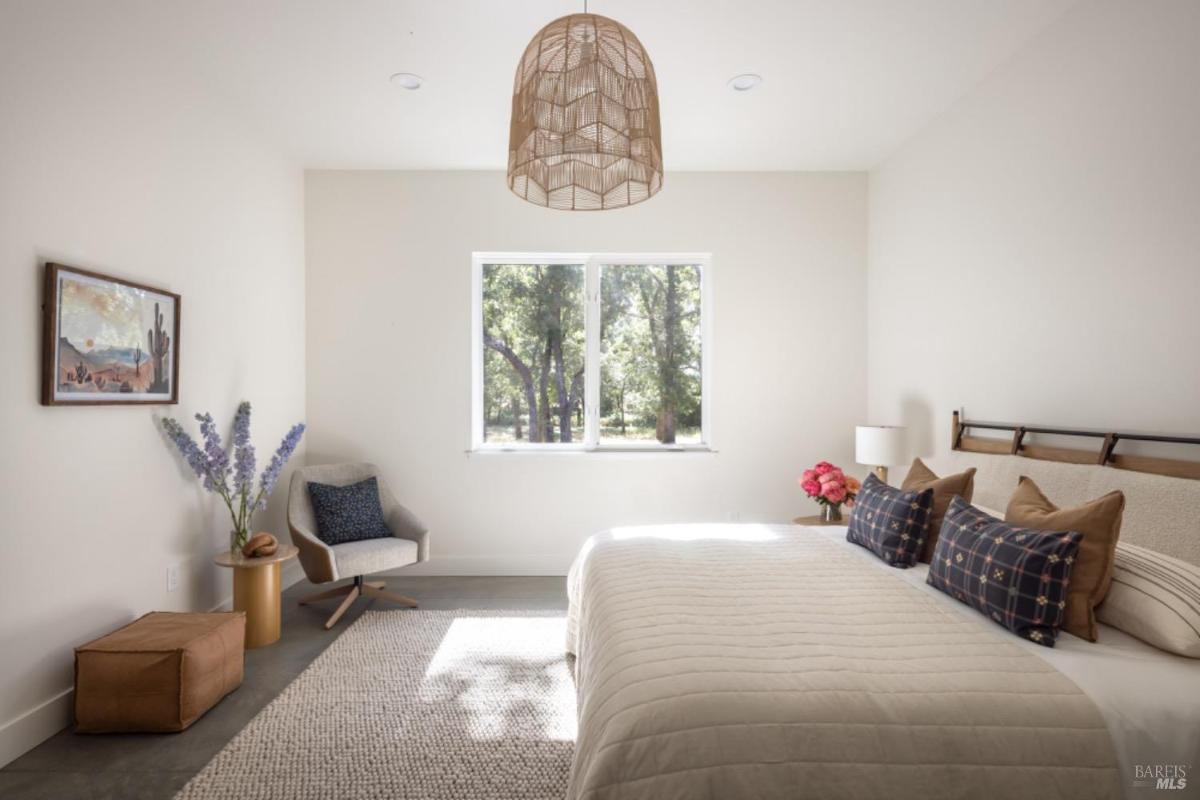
x=1155, y=598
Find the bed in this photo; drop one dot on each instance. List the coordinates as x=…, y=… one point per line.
x=755, y=661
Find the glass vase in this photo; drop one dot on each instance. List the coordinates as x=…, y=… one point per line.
x=831, y=513
x=237, y=540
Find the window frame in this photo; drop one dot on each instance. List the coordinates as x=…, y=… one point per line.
x=592, y=264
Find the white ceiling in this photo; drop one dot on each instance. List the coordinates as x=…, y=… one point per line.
x=846, y=81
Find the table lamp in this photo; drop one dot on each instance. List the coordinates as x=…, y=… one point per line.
x=880, y=445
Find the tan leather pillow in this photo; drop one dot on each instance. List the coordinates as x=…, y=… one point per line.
x=1100, y=523
x=921, y=477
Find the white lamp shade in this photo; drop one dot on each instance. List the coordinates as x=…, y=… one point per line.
x=880, y=445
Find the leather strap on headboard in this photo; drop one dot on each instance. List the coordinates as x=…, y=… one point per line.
x=1105, y=456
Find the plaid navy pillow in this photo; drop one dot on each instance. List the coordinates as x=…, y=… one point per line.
x=1017, y=576
x=889, y=522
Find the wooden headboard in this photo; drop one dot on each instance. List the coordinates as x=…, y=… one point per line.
x=1104, y=455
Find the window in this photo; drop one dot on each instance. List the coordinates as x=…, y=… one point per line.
x=591, y=352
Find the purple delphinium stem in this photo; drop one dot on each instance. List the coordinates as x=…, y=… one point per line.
x=191, y=451
x=244, y=461
x=271, y=474
x=216, y=477
x=201, y=462
x=211, y=462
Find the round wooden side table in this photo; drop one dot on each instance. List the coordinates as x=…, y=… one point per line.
x=256, y=588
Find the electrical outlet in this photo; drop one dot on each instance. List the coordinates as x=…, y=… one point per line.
x=172, y=577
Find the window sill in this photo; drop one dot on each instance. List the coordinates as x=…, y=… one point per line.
x=576, y=450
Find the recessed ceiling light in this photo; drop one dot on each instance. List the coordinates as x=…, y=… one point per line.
x=745, y=82
x=407, y=80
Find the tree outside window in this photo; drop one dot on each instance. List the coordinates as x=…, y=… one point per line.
x=642, y=319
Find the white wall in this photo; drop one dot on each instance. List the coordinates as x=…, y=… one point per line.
x=389, y=282
x=109, y=163
x=1035, y=254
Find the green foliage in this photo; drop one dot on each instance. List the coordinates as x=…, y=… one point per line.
x=533, y=322
x=650, y=346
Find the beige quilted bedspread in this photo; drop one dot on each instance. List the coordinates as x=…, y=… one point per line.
x=742, y=662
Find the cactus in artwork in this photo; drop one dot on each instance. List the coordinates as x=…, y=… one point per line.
x=159, y=345
x=81, y=375
x=100, y=382
x=137, y=361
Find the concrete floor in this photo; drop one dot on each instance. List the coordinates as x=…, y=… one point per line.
x=155, y=766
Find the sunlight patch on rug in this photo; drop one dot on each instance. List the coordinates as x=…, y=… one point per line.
x=496, y=667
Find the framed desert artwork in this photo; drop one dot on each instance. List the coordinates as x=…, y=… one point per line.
x=108, y=340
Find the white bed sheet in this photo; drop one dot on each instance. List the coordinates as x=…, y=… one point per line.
x=1150, y=699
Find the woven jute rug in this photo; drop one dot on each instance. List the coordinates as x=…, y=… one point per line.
x=460, y=705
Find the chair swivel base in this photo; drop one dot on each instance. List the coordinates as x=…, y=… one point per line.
x=351, y=592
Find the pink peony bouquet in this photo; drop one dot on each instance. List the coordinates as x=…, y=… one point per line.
x=829, y=486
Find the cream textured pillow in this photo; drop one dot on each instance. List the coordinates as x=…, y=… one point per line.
x=1099, y=521
x=1155, y=598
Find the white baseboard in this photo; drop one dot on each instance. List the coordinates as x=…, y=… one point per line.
x=535, y=564
x=27, y=731
x=19, y=736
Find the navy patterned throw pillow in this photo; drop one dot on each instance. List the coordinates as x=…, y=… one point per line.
x=889, y=522
x=348, y=513
x=1016, y=576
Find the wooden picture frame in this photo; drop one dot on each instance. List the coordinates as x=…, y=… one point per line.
x=123, y=338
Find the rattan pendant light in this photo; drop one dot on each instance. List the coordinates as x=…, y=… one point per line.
x=585, y=132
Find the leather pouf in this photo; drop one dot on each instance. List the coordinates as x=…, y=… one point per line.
x=159, y=673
